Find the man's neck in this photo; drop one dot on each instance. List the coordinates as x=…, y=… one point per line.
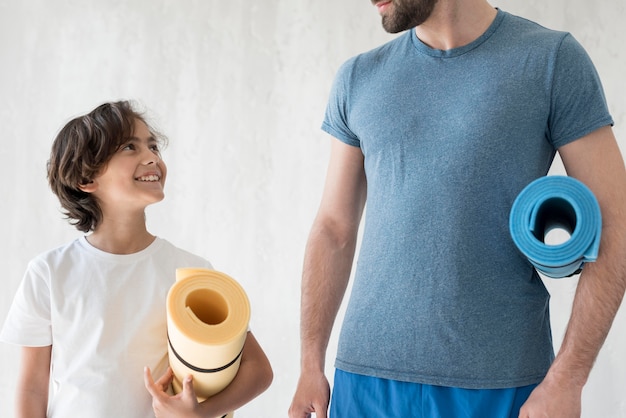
x=454, y=23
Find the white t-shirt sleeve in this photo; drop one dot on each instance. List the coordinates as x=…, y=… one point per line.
x=28, y=322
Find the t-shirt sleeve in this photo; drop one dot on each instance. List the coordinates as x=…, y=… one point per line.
x=28, y=322
x=578, y=103
x=336, y=118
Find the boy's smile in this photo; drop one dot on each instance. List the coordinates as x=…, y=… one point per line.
x=135, y=176
x=150, y=177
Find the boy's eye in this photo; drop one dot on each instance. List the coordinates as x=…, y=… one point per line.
x=155, y=148
x=128, y=146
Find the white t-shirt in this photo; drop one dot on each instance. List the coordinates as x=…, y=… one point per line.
x=105, y=317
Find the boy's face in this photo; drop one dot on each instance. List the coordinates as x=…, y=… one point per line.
x=135, y=176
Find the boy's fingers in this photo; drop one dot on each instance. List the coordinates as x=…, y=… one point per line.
x=188, y=384
x=188, y=390
x=165, y=380
x=148, y=381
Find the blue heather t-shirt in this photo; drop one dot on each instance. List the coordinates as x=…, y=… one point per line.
x=441, y=295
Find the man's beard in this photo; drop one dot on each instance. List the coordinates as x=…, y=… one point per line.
x=408, y=14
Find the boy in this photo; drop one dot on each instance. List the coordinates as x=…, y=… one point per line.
x=91, y=314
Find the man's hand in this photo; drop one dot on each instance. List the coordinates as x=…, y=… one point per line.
x=553, y=398
x=184, y=404
x=312, y=396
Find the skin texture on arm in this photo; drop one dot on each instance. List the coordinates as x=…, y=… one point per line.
x=33, y=382
x=253, y=378
x=595, y=160
x=327, y=265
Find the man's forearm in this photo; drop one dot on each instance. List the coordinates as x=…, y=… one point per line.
x=596, y=160
x=598, y=297
x=327, y=266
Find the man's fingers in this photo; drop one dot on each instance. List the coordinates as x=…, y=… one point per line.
x=321, y=412
x=306, y=411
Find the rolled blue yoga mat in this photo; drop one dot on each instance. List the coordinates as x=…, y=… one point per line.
x=556, y=202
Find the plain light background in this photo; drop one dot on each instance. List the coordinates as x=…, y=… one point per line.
x=240, y=89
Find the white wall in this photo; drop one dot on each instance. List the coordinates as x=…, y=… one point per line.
x=240, y=88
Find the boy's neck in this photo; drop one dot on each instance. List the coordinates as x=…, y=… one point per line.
x=121, y=238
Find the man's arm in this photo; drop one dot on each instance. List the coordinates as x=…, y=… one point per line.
x=33, y=382
x=327, y=264
x=595, y=160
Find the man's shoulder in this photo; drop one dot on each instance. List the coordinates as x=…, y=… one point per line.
x=374, y=58
x=524, y=29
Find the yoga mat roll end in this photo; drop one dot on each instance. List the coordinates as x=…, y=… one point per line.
x=208, y=313
x=556, y=202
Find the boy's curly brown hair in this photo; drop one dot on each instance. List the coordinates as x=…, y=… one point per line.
x=81, y=151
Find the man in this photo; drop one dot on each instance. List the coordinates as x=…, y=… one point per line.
x=439, y=130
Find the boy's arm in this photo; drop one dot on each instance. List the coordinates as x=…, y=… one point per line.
x=253, y=377
x=33, y=382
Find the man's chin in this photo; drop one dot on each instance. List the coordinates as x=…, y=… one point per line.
x=394, y=29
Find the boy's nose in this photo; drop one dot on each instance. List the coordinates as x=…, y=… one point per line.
x=150, y=157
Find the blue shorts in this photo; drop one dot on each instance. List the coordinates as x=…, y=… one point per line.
x=364, y=396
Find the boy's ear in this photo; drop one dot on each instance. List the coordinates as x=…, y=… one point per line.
x=89, y=187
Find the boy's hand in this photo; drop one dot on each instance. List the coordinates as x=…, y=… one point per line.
x=184, y=404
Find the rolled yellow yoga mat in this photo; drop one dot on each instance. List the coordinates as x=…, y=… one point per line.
x=207, y=321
